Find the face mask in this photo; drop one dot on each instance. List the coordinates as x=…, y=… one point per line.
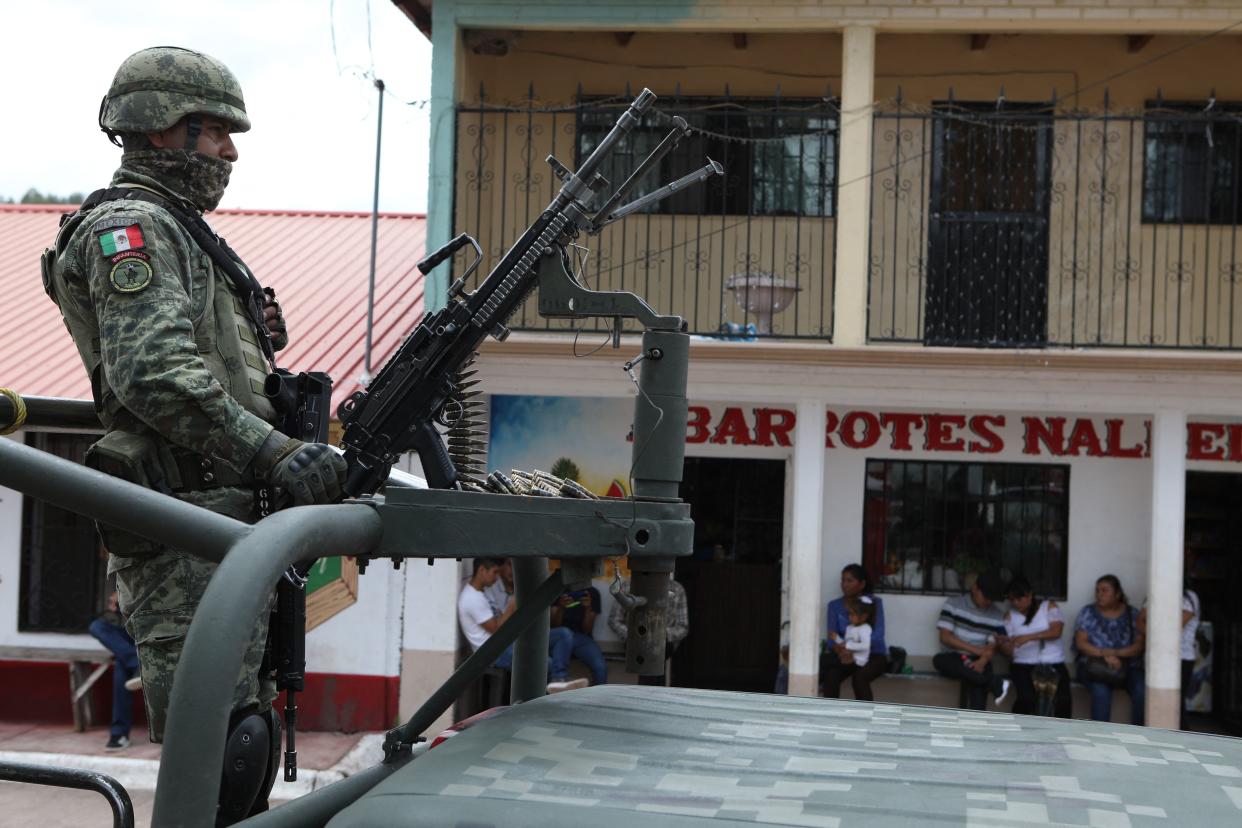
x=200, y=178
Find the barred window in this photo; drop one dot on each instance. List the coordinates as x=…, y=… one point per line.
x=928, y=524
x=780, y=156
x=62, y=568
x=1192, y=163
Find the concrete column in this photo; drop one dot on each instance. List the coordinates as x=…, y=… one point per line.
x=849, y=315
x=806, y=549
x=445, y=42
x=429, y=646
x=1164, y=596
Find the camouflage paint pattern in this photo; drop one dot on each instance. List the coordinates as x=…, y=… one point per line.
x=200, y=178
x=154, y=88
x=160, y=594
x=164, y=367
x=621, y=755
x=176, y=361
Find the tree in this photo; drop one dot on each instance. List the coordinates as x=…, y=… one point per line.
x=566, y=469
x=33, y=196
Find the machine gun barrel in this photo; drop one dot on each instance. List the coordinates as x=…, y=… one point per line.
x=680, y=130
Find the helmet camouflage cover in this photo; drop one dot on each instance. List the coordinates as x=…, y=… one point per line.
x=157, y=87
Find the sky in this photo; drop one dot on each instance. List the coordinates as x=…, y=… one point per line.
x=313, y=107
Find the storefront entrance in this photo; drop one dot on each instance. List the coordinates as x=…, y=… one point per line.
x=1214, y=567
x=733, y=580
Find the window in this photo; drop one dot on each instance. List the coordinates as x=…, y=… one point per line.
x=928, y=524
x=780, y=157
x=1191, y=165
x=62, y=568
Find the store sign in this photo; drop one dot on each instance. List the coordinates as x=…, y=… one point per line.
x=983, y=434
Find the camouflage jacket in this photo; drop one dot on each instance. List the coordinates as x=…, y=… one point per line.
x=160, y=329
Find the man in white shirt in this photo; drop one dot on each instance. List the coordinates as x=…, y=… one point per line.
x=479, y=622
x=500, y=592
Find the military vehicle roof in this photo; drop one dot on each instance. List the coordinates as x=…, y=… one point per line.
x=629, y=755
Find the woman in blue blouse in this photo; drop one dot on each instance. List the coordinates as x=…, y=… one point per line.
x=1109, y=629
x=836, y=663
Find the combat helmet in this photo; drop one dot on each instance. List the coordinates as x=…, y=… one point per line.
x=156, y=87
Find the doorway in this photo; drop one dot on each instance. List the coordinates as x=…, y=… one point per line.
x=733, y=580
x=987, y=258
x=1214, y=572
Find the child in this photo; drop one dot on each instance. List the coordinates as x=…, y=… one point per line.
x=858, y=633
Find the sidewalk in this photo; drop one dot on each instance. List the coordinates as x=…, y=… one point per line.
x=323, y=758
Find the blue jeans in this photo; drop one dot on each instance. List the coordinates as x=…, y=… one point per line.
x=560, y=647
x=588, y=652
x=124, y=667
x=1102, y=695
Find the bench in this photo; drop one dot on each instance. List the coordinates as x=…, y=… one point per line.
x=927, y=687
x=85, y=668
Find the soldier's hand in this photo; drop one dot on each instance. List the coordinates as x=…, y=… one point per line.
x=309, y=472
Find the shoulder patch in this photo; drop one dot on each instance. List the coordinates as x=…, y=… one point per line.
x=113, y=241
x=109, y=223
x=131, y=271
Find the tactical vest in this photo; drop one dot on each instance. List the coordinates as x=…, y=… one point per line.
x=225, y=329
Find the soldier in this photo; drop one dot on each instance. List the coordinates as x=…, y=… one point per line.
x=177, y=337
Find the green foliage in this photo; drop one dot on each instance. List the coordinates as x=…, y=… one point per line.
x=33, y=196
x=566, y=469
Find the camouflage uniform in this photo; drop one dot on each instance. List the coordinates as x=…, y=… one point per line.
x=177, y=372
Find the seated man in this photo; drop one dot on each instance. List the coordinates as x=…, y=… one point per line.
x=110, y=630
x=969, y=626
x=501, y=592
x=478, y=622
x=576, y=611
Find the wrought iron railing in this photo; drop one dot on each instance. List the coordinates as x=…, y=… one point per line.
x=1004, y=225
x=750, y=253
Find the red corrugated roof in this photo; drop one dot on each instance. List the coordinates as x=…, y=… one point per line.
x=316, y=261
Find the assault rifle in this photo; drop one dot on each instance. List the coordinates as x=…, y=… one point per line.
x=417, y=387
x=302, y=401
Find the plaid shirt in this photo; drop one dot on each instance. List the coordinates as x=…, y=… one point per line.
x=676, y=617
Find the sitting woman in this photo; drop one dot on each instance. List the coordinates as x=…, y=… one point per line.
x=1110, y=647
x=838, y=662
x=1033, y=643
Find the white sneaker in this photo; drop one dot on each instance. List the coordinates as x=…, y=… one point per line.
x=133, y=684
x=567, y=684
x=1004, y=691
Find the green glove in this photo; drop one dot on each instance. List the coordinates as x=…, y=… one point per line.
x=308, y=472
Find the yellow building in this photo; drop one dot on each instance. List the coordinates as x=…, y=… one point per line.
x=947, y=221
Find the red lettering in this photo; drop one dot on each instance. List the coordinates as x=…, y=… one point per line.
x=733, y=429
x=830, y=425
x=1201, y=441
x=1083, y=436
x=1112, y=441
x=696, y=427
x=981, y=427
x=870, y=430
x=902, y=425
x=1050, y=431
x=1235, y=442
x=939, y=433
x=774, y=422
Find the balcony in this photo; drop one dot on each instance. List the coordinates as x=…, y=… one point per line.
x=992, y=225
x=1011, y=226
x=750, y=255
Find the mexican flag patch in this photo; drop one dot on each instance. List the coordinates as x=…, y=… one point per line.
x=121, y=239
